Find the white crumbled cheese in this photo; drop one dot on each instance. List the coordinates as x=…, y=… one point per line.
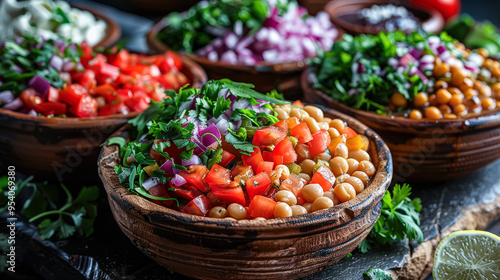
x=376, y=14
x=36, y=16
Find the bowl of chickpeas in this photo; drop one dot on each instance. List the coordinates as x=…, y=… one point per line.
x=324, y=204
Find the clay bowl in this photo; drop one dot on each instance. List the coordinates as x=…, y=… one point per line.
x=55, y=147
x=265, y=76
x=113, y=31
x=339, y=10
x=284, y=248
x=426, y=151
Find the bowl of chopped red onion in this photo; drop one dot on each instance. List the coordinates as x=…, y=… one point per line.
x=268, y=47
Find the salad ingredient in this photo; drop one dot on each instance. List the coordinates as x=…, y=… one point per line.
x=399, y=219
x=468, y=254
x=249, y=32
x=447, y=8
x=386, y=17
x=50, y=20
x=82, y=83
x=416, y=76
x=181, y=142
x=376, y=274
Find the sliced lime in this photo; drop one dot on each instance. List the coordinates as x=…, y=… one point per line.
x=468, y=255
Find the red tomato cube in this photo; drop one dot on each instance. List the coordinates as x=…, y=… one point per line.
x=261, y=206
x=257, y=185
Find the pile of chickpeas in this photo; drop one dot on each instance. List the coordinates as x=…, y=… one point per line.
x=352, y=170
x=455, y=91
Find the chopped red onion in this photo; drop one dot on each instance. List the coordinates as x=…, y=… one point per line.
x=32, y=113
x=40, y=85
x=415, y=52
x=6, y=97
x=178, y=180
x=194, y=160
x=56, y=62
x=208, y=139
x=151, y=182
x=16, y=104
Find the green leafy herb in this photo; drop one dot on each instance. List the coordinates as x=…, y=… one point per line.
x=376, y=274
x=399, y=219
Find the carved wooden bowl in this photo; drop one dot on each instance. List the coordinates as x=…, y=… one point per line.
x=62, y=147
x=113, y=30
x=425, y=150
x=284, y=248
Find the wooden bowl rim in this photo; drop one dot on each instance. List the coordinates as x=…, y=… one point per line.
x=259, y=67
x=113, y=30
x=381, y=180
x=199, y=78
x=483, y=121
x=332, y=6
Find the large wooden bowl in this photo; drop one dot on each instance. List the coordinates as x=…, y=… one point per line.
x=113, y=30
x=431, y=20
x=63, y=147
x=425, y=150
x=264, y=75
x=284, y=248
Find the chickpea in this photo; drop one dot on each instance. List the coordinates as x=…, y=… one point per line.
x=307, y=166
x=341, y=150
x=399, y=100
x=285, y=172
x=308, y=207
x=296, y=112
x=340, y=179
x=314, y=112
x=324, y=125
x=470, y=93
x=415, y=115
x=337, y=124
x=322, y=156
x=321, y=203
x=275, y=176
x=443, y=96
x=334, y=133
x=449, y=116
x=498, y=103
x=328, y=194
x=482, y=88
x=456, y=100
x=473, y=102
x=237, y=211
x=282, y=115
x=327, y=120
x=282, y=210
x=298, y=210
x=336, y=200
x=457, y=75
x=488, y=103
x=344, y=192
x=286, y=107
x=460, y=110
x=466, y=84
x=312, y=191
x=353, y=165
x=421, y=99
x=304, y=114
x=455, y=90
x=305, y=176
x=440, y=69
x=440, y=84
x=445, y=109
x=339, y=166
x=302, y=151
x=433, y=113
x=433, y=100
x=362, y=176
x=367, y=167
x=217, y=212
x=358, y=185
x=286, y=196
x=359, y=155
x=483, y=52
x=312, y=124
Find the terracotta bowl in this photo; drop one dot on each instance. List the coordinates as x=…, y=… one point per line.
x=284, y=248
x=56, y=146
x=431, y=20
x=113, y=31
x=425, y=150
x=265, y=76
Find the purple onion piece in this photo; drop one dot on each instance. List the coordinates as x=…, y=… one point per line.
x=178, y=180
x=194, y=160
x=6, y=97
x=150, y=182
x=16, y=104
x=167, y=167
x=56, y=62
x=40, y=85
x=209, y=139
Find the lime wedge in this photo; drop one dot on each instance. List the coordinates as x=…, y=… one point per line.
x=468, y=255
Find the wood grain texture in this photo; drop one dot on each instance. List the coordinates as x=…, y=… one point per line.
x=284, y=248
x=425, y=150
x=45, y=146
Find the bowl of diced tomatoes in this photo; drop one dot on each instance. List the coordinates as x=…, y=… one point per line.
x=245, y=193
x=60, y=100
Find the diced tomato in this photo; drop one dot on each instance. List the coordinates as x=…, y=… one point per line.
x=298, y=103
x=320, y=142
x=88, y=80
x=110, y=71
x=229, y=194
x=137, y=104
x=170, y=61
x=96, y=63
x=283, y=124
x=268, y=136
x=215, y=200
x=53, y=95
x=241, y=172
x=106, y=90
x=87, y=53
x=218, y=175
x=51, y=108
x=335, y=141
x=285, y=149
x=265, y=166
x=172, y=151
x=30, y=98
x=139, y=69
x=302, y=133
x=195, y=175
x=87, y=107
x=198, y=206
x=348, y=132
x=355, y=143
x=116, y=107
x=227, y=157
x=293, y=183
x=269, y=156
x=324, y=177
x=187, y=191
x=292, y=122
x=261, y=206
x=72, y=94
x=121, y=59
x=271, y=193
x=257, y=185
x=253, y=159
x=160, y=191
x=169, y=81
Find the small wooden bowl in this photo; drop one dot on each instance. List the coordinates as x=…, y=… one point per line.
x=432, y=21
x=113, y=30
x=423, y=150
x=284, y=248
x=59, y=146
x=264, y=75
